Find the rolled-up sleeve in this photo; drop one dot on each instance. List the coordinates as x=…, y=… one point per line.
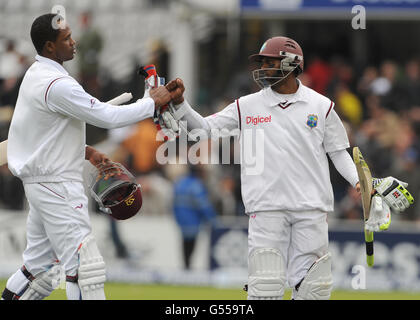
x=67, y=97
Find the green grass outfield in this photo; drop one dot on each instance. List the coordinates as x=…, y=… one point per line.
x=123, y=291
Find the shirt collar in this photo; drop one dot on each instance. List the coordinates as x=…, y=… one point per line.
x=274, y=98
x=53, y=63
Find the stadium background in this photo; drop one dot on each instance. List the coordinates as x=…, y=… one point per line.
x=372, y=74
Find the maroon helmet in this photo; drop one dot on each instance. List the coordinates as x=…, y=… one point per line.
x=116, y=191
x=287, y=50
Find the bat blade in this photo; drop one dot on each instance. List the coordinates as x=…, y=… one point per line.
x=3, y=152
x=122, y=98
x=365, y=181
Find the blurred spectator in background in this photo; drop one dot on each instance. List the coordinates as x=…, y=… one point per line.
x=191, y=208
x=121, y=250
x=350, y=207
x=411, y=83
x=12, y=68
x=406, y=156
x=341, y=74
x=348, y=105
x=383, y=84
x=363, y=86
x=382, y=123
x=139, y=150
x=89, y=48
x=12, y=194
x=319, y=73
x=141, y=146
x=377, y=135
x=390, y=88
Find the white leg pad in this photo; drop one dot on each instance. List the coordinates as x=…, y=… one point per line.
x=267, y=274
x=317, y=284
x=42, y=286
x=91, y=273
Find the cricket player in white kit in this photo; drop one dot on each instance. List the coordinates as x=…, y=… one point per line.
x=46, y=150
x=287, y=192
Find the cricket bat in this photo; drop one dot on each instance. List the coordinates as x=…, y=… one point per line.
x=3, y=152
x=122, y=98
x=365, y=180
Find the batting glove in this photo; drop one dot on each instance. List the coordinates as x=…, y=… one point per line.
x=166, y=125
x=169, y=121
x=165, y=122
x=379, y=216
x=394, y=192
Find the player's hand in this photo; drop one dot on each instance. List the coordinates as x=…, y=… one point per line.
x=105, y=166
x=97, y=158
x=176, y=89
x=108, y=169
x=379, y=216
x=394, y=193
x=160, y=96
x=358, y=188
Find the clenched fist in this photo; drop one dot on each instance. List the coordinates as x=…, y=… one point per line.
x=176, y=89
x=160, y=96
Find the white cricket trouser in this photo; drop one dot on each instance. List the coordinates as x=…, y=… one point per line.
x=301, y=238
x=58, y=221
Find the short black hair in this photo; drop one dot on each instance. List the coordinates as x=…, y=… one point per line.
x=42, y=30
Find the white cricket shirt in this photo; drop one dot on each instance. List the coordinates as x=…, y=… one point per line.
x=284, y=140
x=47, y=132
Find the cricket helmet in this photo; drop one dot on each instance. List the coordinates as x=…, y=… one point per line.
x=287, y=50
x=116, y=191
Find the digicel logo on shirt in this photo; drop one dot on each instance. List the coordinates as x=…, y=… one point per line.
x=256, y=120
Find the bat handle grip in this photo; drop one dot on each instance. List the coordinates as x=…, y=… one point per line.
x=369, y=248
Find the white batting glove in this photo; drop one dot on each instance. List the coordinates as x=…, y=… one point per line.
x=394, y=192
x=379, y=216
x=166, y=125
x=169, y=121
x=164, y=119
